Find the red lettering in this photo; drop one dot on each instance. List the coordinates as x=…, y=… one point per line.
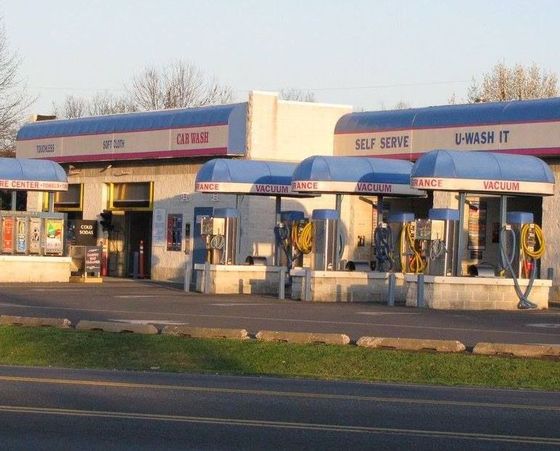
x=500, y=185
x=304, y=186
x=182, y=138
x=207, y=186
x=426, y=183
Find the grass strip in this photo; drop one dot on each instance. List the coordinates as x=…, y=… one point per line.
x=79, y=349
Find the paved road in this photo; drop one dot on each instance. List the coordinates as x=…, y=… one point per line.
x=142, y=301
x=81, y=409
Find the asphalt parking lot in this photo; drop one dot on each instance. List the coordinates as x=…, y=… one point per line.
x=140, y=301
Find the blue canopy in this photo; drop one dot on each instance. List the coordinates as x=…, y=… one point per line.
x=32, y=175
x=267, y=178
x=358, y=175
x=480, y=172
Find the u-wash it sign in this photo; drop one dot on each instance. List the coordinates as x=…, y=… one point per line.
x=531, y=138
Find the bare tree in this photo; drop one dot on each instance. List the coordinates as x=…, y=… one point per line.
x=401, y=105
x=178, y=85
x=504, y=83
x=13, y=98
x=105, y=103
x=298, y=95
x=72, y=108
x=99, y=104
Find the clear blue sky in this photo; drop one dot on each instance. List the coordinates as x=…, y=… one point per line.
x=365, y=53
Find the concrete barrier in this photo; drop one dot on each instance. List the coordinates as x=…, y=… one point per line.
x=205, y=332
x=524, y=350
x=108, y=326
x=61, y=323
x=303, y=337
x=412, y=344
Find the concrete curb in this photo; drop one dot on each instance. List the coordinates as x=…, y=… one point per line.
x=61, y=323
x=205, y=332
x=526, y=350
x=412, y=344
x=107, y=326
x=303, y=337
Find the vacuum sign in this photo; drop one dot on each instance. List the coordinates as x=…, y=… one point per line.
x=481, y=185
x=354, y=187
x=252, y=188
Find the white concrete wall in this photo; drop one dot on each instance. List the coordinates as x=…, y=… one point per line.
x=290, y=131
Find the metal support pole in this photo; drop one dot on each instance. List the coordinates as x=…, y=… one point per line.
x=420, y=301
x=239, y=229
x=503, y=222
x=51, y=202
x=337, y=250
x=379, y=209
x=460, y=235
x=276, y=244
x=282, y=284
x=307, y=288
x=392, y=285
x=188, y=272
x=14, y=201
x=206, y=284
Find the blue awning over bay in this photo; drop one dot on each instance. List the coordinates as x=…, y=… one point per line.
x=32, y=175
x=267, y=178
x=480, y=172
x=357, y=175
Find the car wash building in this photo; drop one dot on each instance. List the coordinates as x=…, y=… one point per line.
x=135, y=174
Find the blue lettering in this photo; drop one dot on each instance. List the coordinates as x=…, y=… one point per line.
x=364, y=144
x=470, y=138
x=394, y=142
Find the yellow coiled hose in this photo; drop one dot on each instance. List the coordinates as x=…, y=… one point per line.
x=529, y=254
x=538, y=251
x=302, y=237
x=416, y=263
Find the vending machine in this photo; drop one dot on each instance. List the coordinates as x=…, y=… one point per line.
x=435, y=237
x=220, y=234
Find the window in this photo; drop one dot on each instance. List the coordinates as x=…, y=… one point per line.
x=70, y=200
x=132, y=196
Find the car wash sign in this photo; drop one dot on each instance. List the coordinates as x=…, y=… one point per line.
x=482, y=185
x=192, y=132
